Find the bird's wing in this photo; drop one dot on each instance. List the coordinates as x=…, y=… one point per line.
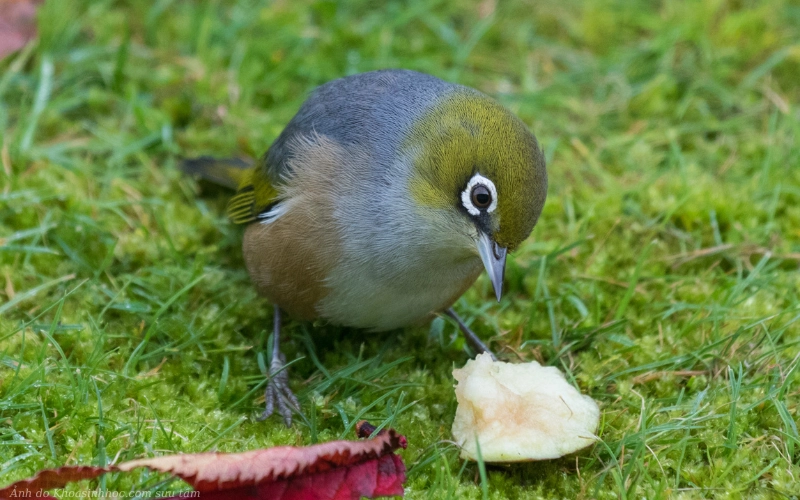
x=367, y=110
x=256, y=195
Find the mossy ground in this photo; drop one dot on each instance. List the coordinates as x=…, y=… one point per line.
x=662, y=277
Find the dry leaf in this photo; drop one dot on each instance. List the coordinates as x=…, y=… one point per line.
x=17, y=24
x=339, y=470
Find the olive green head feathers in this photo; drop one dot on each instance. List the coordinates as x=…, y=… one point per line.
x=474, y=155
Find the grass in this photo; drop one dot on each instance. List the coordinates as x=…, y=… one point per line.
x=662, y=278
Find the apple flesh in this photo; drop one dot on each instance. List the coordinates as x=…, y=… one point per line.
x=520, y=412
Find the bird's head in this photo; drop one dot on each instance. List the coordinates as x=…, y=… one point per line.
x=479, y=169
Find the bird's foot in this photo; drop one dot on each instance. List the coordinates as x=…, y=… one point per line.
x=278, y=395
x=472, y=339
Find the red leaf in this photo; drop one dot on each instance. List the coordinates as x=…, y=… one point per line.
x=52, y=478
x=17, y=24
x=340, y=470
x=374, y=478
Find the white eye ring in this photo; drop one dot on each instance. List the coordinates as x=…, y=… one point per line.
x=466, y=194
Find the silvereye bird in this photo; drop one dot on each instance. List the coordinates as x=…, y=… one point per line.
x=380, y=204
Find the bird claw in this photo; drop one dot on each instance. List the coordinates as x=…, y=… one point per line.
x=278, y=393
x=472, y=339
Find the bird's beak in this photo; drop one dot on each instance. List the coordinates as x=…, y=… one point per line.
x=494, y=259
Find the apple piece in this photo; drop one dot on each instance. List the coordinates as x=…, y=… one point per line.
x=520, y=412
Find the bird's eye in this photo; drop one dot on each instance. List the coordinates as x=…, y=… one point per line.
x=481, y=196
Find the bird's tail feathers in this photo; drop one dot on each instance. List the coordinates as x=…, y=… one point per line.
x=227, y=172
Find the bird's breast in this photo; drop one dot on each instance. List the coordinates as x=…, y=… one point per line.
x=316, y=277
x=392, y=293
x=351, y=246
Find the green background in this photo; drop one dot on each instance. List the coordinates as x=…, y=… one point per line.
x=662, y=277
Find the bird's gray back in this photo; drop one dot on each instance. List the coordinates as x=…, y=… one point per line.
x=370, y=110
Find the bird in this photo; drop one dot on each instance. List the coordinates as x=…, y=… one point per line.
x=380, y=203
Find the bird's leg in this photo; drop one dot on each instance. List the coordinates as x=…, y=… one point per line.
x=472, y=339
x=278, y=392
